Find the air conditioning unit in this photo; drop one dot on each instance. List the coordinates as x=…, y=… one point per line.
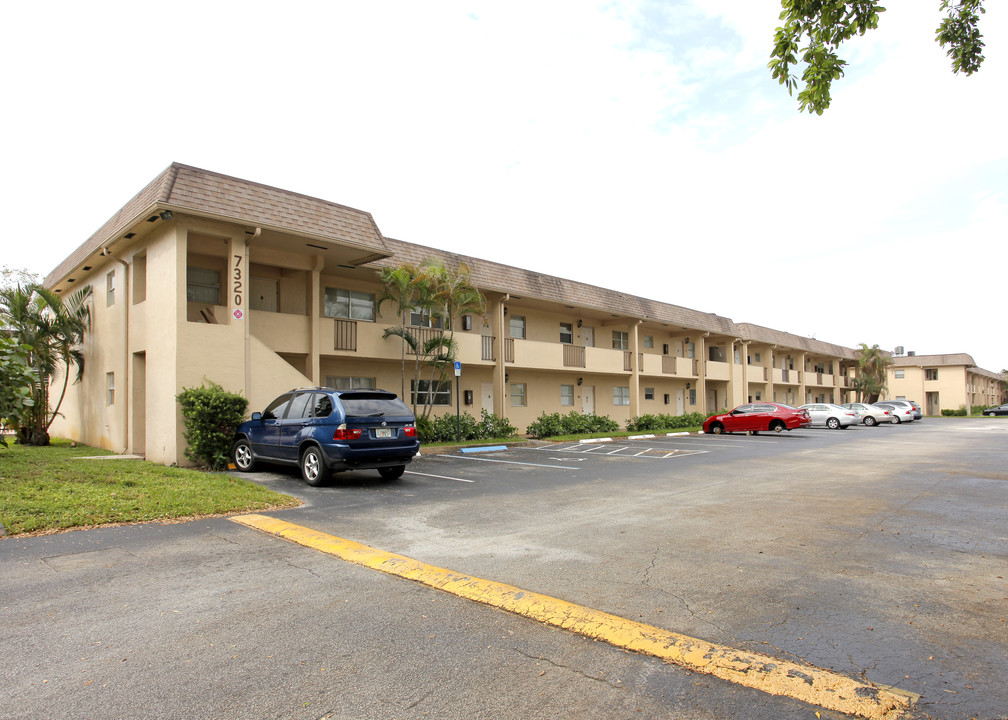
x=912, y=353
x=898, y=350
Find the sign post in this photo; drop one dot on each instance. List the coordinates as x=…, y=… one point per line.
x=458, y=413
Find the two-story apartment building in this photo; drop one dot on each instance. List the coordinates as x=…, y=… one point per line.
x=944, y=382
x=202, y=277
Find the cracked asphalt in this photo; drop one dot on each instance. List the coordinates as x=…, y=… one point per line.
x=880, y=553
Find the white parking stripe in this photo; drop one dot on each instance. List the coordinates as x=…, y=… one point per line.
x=442, y=477
x=511, y=462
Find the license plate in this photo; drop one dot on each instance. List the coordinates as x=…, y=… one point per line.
x=383, y=432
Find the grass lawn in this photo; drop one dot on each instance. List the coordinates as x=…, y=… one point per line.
x=47, y=489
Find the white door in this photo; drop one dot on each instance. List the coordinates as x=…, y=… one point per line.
x=712, y=405
x=678, y=348
x=589, y=336
x=486, y=389
x=680, y=403
x=588, y=399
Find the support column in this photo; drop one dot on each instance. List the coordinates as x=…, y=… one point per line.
x=634, y=370
x=501, y=326
x=315, y=322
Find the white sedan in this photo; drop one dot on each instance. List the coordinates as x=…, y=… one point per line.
x=871, y=415
x=831, y=416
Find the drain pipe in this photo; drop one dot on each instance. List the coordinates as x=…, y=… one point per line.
x=107, y=252
x=248, y=317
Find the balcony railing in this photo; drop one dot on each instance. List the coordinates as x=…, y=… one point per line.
x=509, y=354
x=573, y=356
x=345, y=335
x=487, y=348
x=627, y=360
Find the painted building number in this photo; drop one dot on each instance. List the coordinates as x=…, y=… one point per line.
x=237, y=286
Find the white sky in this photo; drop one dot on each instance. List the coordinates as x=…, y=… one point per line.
x=637, y=145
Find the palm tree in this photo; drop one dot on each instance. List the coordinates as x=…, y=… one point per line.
x=53, y=327
x=439, y=294
x=398, y=287
x=873, y=365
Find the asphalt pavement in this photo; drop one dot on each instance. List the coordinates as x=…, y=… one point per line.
x=876, y=553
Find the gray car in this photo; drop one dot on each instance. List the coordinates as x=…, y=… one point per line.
x=871, y=415
x=902, y=410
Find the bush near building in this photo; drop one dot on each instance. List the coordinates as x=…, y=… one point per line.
x=574, y=423
x=665, y=421
x=445, y=428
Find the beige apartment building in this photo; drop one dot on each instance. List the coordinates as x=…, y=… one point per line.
x=944, y=382
x=205, y=277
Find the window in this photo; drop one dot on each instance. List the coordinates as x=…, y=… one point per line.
x=110, y=288
x=422, y=318
x=518, y=398
x=567, y=333
x=567, y=395
x=648, y=393
x=649, y=341
x=349, y=304
x=518, y=326
x=341, y=382
x=299, y=406
x=425, y=392
x=756, y=357
x=691, y=353
x=692, y=396
x=202, y=286
x=899, y=374
x=931, y=374
x=110, y=388
x=621, y=396
x=276, y=409
x=758, y=395
x=620, y=340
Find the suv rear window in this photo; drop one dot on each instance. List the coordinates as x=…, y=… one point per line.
x=374, y=405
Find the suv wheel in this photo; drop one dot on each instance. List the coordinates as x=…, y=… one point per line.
x=241, y=453
x=392, y=473
x=313, y=467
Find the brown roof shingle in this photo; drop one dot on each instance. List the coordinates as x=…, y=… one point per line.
x=189, y=189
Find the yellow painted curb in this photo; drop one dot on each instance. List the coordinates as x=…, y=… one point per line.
x=809, y=684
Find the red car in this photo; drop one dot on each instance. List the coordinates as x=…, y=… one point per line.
x=758, y=417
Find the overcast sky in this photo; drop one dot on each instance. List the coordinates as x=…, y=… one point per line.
x=640, y=146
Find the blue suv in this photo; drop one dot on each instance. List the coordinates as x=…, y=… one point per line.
x=323, y=430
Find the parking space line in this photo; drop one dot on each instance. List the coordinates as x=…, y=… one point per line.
x=442, y=477
x=775, y=676
x=511, y=462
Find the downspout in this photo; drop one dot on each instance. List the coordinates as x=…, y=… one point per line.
x=107, y=252
x=248, y=321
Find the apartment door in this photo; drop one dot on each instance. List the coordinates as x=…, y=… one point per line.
x=138, y=410
x=678, y=348
x=931, y=404
x=712, y=405
x=588, y=399
x=486, y=391
x=680, y=402
x=588, y=335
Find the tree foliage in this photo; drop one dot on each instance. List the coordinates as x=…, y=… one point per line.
x=50, y=329
x=873, y=366
x=813, y=31
x=440, y=295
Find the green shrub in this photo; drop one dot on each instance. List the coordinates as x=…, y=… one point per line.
x=554, y=424
x=961, y=412
x=211, y=416
x=445, y=428
x=648, y=423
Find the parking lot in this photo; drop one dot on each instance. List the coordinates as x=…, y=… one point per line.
x=879, y=553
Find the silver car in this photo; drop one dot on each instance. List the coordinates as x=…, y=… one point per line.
x=830, y=416
x=871, y=415
x=900, y=409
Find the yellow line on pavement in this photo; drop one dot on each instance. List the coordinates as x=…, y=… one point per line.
x=813, y=685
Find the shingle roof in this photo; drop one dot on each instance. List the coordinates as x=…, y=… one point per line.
x=189, y=189
x=758, y=333
x=922, y=360
x=496, y=277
